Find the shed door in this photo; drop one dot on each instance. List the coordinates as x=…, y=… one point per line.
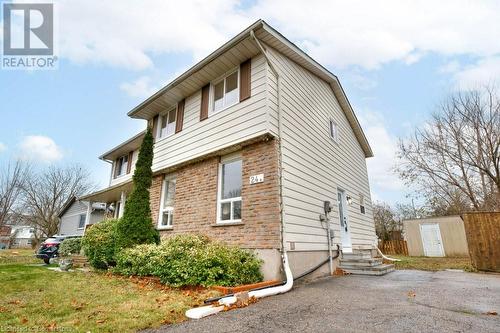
x=431, y=240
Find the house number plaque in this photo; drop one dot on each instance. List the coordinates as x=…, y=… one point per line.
x=257, y=179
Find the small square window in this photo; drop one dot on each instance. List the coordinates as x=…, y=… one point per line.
x=334, y=131
x=362, y=203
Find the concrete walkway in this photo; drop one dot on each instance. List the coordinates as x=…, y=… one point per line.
x=402, y=301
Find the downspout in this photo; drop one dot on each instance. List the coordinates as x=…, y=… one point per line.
x=197, y=313
x=280, y=134
x=203, y=311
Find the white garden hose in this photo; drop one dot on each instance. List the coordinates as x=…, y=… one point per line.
x=203, y=311
x=385, y=257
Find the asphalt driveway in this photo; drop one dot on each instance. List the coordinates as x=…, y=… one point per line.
x=402, y=301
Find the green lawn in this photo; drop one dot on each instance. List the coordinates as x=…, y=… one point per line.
x=34, y=298
x=433, y=264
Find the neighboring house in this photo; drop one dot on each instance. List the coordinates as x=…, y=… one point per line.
x=22, y=236
x=436, y=237
x=249, y=144
x=77, y=214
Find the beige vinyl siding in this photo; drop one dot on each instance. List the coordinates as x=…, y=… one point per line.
x=225, y=128
x=314, y=165
x=126, y=177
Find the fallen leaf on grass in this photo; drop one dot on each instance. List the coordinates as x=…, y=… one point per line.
x=492, y=313
x=51, y=327
x=15, y=302
x=411, y=294
x=100, y=321
x=24, y=321
x=3, y=309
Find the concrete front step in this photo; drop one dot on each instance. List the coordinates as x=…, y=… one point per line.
x=374, y=270
x=355, y=263
x=356, y=255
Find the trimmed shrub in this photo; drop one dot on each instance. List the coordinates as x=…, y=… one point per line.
x=191, y=260
x=70, y=246
x=136, y=225
x=99, y=244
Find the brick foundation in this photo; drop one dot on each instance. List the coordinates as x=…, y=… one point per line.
x=195, y=206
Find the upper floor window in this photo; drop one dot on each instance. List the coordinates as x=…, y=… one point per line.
x=166, y=216
x=226, y=92
x=229, y=196
x=167, y=126
x=121, y=165
x=81, y=222
x=334, y=131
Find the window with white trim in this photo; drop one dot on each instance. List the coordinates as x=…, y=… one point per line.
x=166, y=216
x=334, y=131
x=226, y=92
x=167, y=123
x=229, y=191
x=121, y=165
x=81, y=222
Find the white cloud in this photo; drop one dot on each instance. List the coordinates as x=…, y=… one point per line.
x=141, y=87
x=3, y=147
x=484, y=71
x=384, y=147
x=450, y=67
x=371, y=33
x=128, y=34
x=337, y=33
x=39, y=148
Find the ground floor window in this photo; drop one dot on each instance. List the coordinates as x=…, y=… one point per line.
x=166, y=216
x=229, y=190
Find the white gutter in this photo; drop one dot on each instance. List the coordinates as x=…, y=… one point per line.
x=198, y=313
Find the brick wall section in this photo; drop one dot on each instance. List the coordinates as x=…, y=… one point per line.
x=195, y=207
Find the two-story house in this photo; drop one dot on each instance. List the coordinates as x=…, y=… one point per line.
x=249, y=144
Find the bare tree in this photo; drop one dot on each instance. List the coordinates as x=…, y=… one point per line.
x=45, y=193
x=12, y=179
x=387, y=225
x=455, y=157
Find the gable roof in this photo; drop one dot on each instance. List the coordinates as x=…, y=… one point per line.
x=124, y=148
x=230, y=54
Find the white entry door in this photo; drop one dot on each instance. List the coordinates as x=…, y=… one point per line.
x=431, y=240
x=345, y=232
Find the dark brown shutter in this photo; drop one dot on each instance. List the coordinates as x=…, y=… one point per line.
x=245, y=79
x=129, y=161
x=117, y=167
x=155, y=126
x=180, y=116
x=204, y=102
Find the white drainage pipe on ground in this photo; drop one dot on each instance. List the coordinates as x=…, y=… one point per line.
x=385, y=257
x=203, y=311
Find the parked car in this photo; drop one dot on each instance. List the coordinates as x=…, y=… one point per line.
x=50, y=248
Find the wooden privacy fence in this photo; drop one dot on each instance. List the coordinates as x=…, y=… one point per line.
x=482, y=230
x=393, y=247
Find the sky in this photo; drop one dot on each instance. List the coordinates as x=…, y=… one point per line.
x=395, y=59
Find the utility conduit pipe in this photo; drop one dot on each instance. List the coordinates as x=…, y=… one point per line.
x=203, y=311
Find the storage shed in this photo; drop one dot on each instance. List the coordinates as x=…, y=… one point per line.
x=436, y=237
